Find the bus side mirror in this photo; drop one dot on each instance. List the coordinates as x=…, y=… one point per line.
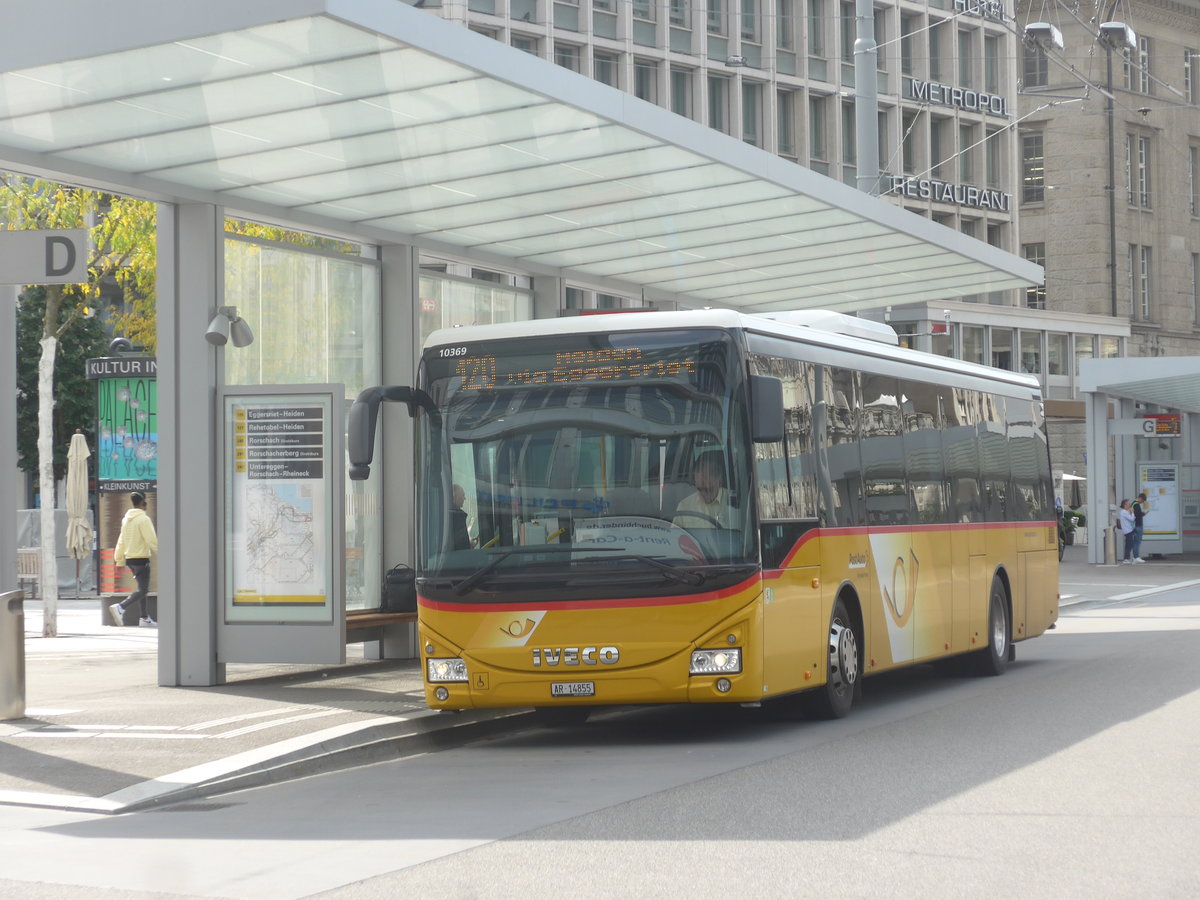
x=364, y=414
x=766, y=409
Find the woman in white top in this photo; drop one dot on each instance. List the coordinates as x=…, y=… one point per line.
x=1125, y=516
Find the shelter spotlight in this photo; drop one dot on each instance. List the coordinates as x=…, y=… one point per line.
x=228, y=324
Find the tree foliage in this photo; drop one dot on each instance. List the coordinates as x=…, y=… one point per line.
x=75, y=396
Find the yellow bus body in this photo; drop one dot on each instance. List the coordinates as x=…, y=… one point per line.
x=922, y=594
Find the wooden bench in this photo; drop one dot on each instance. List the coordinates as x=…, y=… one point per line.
x=368, y=625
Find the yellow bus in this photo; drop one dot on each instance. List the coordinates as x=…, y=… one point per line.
x=715, y=507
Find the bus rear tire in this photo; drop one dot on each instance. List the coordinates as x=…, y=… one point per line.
x=835, y=697
x=993, y=659
x=561, y=716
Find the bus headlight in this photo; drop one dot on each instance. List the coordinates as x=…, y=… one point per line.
x=710, y=662
x=446, y=669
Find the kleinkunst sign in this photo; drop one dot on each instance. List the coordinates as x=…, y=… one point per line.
x=44, y=257
x=126, y=422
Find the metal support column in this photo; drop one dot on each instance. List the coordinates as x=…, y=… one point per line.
x=1099, y=514
x=190, y=288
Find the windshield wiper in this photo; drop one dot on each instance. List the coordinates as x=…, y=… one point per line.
x=490, y=566
x=674, y=572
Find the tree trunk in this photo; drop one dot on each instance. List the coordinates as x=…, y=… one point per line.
x=49, y=582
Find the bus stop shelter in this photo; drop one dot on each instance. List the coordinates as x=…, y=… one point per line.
x=1113, y=389
x=373, y=121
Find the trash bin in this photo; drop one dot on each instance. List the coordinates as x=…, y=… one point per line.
x=12, y=655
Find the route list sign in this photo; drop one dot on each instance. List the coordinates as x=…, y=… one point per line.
x=279, y=538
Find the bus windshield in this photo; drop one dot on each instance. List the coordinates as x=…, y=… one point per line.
x=584, y=463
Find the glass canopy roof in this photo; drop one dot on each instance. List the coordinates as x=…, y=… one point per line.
x=385, y=122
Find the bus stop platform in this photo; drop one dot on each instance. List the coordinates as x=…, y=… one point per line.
x=100, y=736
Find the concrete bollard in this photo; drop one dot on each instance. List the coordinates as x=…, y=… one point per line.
x=12, y=655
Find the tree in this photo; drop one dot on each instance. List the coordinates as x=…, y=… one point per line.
x=75, y=396
x=123, y=253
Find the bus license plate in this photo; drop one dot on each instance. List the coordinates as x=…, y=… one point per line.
x=573, y=689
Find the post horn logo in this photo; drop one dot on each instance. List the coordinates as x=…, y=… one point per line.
x=517, y=629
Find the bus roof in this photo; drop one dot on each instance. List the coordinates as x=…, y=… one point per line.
x=822, y=330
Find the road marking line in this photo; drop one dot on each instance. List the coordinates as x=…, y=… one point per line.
x=213, y=723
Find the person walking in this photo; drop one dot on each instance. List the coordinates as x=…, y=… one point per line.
x=136, y=543
x=1125, y=519
x=1140, y=506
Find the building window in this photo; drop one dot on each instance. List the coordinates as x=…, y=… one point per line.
x=750, y=21
x=1033, y=168
x=785, y=26
x=1196, y=288
x=681, y=91
x=1139, y=282
x=1191, y=72
x=818, y=140
x=1056, y=353
x=752, y=94
x=910, y=30
x=785, y=115
x=849, y=135
x=941, y=150
x=972, y=343
x=680, y=13
x=604, y=68
x=1145, y=82
x=718, y=103
x=908, y=144
x=524, y=42
x=1035, y=297
x=716, y=16
x=816, y=28
x=966, y=59
x=645, y=80
x=567, y=55
x=1137, y=67
x=966, y=153
x=846, y=31
x=1137, y=170
x=1194, y=178
x=937, y=49
x=993, y=156
x=991, y=63
x=995, y=234
x=604, y=5
x=1035, y=67
x=643, y=10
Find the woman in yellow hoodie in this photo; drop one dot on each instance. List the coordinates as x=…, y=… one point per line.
x=135, y=544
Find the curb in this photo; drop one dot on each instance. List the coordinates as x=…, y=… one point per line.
x=333, y=749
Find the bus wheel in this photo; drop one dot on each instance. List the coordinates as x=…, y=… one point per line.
x=561, y=716
x=993, y=659
x=834, y=698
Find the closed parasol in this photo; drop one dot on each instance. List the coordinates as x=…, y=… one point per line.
x=79, y=525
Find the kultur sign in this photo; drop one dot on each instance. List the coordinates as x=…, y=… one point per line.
x=57, y=256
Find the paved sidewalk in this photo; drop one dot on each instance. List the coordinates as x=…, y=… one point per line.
x=100, y=735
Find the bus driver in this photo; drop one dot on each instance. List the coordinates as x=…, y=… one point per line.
x=709, y=506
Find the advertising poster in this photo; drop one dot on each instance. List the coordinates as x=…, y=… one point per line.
x=1160, y=483
x=279, y=507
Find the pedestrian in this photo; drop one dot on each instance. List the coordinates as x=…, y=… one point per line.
x=136, y=543
x=1140, y=507
x=1125, y=520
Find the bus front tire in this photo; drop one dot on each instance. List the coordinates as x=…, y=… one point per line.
x=993, y=659
x=834, y=698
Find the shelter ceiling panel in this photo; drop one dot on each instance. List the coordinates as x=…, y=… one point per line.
x=699, y=228
x=589, y=205
x=370, y=116
x=801, y=245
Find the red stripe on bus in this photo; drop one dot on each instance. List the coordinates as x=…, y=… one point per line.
x=625, y=603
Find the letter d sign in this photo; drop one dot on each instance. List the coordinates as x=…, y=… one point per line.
x=44, y=257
